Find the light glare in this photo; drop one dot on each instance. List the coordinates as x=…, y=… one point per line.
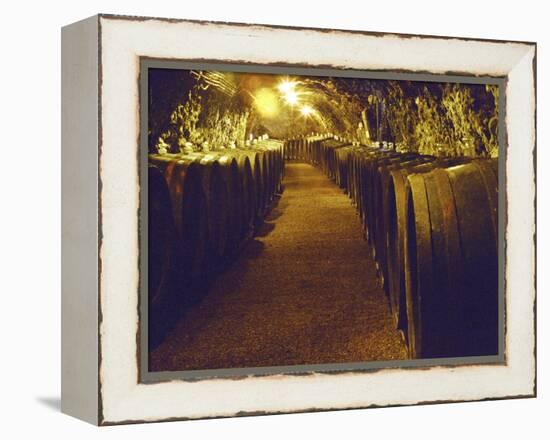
x=286, y=86
x=291, y=97
x=266, y=102
x=306, y=110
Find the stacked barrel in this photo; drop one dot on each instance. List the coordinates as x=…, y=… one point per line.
x=432, y=226
x=304, y=148
x=202, y=208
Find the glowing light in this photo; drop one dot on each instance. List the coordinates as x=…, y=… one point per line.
x=287, y=86
x=266, y=102
x=306, y=110
x=291, y=97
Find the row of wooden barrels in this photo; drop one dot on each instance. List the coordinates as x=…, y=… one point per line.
x=202, y=207
x=433, y=227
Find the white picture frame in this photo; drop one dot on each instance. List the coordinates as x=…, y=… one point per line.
x=100, y=204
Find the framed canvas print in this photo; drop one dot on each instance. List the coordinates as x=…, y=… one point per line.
x=262, y=219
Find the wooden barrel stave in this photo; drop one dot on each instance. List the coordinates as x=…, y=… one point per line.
x=248, y=213
x=478, y=239
x=452, y=290
x=418, y=262
x=234, y=192
x=217, y=209
x=395, y=215
x=161, y=232
x=381, y=220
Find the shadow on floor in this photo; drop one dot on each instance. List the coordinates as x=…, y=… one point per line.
x=265, y=229
x=196, y=291
x=275, y=211
x=52, y=403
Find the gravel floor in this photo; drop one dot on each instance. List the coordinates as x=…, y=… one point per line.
x=304, y=291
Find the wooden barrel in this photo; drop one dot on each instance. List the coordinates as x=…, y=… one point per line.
x=280, y=166
x=165, y=295
x=248, y=201
x=272, y=164
x=270, y=178
x=189, y=207
x=290, y=149
x=161, y=238
x=380, y=191
x=315, y=151
x=363, y=185
x=312, y=148
x=328, y=148
x=305, y=154
x=217, y=207
x=395, y=225
x=352, y=175
x=319, y=152
x=234, y=200
x=342, y=167
x=264, y=176
x=278, y=163
x=369, y=202
x=451, y=261
x=256, y=161
x=305, y=150
x=360, y=183
x=287, y=149
x=298, y=154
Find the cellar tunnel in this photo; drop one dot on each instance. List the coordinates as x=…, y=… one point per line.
x=310, y=220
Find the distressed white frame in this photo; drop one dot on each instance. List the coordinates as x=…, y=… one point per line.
x=122, y=42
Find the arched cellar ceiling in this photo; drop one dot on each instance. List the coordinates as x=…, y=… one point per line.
x=226, y=108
